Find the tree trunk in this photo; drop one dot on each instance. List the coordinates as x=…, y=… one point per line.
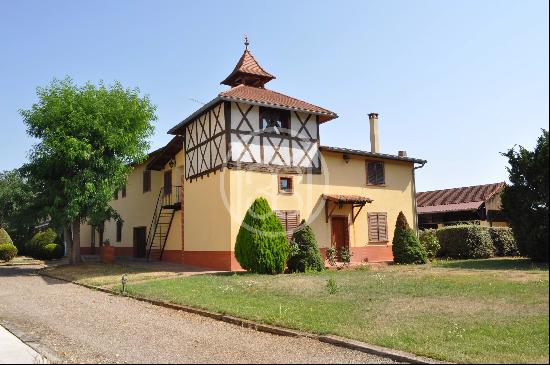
x=67, y=240
x=75, y=243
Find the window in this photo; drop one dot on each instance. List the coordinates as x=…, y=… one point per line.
x=375, y=173
x=286, y=185
x=275, y=121
x=378, y=227
x=290, y=219
x=146, y=180
x=118, y=231
x=123, y=191
x=115, y=195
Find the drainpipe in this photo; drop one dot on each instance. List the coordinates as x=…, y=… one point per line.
x=415, y=215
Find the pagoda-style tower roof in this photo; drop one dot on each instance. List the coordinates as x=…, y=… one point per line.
x=248, y=72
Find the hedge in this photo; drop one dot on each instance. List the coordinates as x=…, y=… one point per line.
x=428, y=239
x=465, y=242
x=504, y=241
x=7, y=251
x=305, y=254
x=52, y=251
x=4, y=237
x=35, y=247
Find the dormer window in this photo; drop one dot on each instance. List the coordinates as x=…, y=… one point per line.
x=275, y=121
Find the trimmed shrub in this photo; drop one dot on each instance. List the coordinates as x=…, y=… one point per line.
x=4, y=237
x=35, y=247
x=406, y=246
x=428, y=239
x=7, y=251
x=466, y=241
x=52, y=251
x=261, y=245
x=305, y=254
x=503, y=241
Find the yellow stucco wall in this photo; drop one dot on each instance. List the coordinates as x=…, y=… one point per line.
x=137, y=208
x=207, y=222
x=215, y=205
x=338, y=177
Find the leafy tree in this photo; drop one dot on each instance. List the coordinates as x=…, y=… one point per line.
x=89, y=136
x=525, y=200
x=19, y=209
x=261, y=245
x=406, y=246
x=305, y=253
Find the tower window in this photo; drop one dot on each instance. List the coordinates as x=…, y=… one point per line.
x=275, y=121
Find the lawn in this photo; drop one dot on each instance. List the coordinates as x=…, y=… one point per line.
x=460, y=311
x=101, y=275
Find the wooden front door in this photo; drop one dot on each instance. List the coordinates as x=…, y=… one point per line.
x=140, y=241
x=340, y=233
x=168, y=182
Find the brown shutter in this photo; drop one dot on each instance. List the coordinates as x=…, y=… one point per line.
x=371, y=173
x=290, y=219
x=146, y=180
x=118, y=231
x=380, y=178
x=378, y=227
x=373, y=226
x=382, y=227
x=375, y=173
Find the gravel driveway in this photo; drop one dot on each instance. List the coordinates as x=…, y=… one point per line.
x=82, y=325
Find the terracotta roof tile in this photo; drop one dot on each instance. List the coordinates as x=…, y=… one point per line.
x=244, y=93
x=247, y=65
x=347, y=198
x=456, y=196
x=449, y=208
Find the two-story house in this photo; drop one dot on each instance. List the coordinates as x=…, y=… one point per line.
x=187, y=201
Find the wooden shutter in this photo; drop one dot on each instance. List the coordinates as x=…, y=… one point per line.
x=146, y=180
x=290, y=219
x=378, y=227
x=375, y=173
x=118, y=231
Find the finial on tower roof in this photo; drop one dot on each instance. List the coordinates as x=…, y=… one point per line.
x=248, y=71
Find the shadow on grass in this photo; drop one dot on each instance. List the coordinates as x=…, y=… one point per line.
x=493, y=264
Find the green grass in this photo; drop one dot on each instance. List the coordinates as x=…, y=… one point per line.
x=102, y=275
x=460, y=312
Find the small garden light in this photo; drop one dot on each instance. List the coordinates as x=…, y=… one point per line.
x=124, y=280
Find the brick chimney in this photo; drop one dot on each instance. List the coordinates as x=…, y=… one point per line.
x=374, y=144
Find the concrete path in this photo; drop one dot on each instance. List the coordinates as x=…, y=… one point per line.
x=15, y=351
x=82, y=325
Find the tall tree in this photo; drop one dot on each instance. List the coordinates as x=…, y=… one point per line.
x=89, y=136
x=19, y=209
x=525, y=200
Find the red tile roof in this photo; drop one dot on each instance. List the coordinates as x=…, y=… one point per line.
x=456, y=199
x=247, y=94
x=347, y=198
x=248, y=67
x=460, y=207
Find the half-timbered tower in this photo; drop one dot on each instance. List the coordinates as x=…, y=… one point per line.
x=251, y=141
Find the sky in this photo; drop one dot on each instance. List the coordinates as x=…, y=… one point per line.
x=454, y=82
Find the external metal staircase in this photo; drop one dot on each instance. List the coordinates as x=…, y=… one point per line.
x=168, y=203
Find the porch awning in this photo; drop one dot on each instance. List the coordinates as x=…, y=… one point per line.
x=347, y=199
x=340, y=200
